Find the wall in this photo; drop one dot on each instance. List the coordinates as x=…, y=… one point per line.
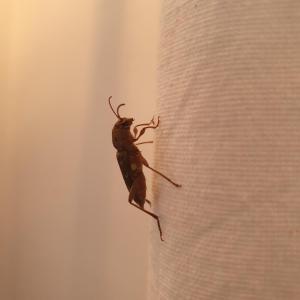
x=67, y=231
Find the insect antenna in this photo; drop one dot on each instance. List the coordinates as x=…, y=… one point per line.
x=115, y=113
x=119, y=108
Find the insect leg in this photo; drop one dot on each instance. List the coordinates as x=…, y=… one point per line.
x=164, y=176
x=144, y=129
x=148, y=202
x=152, y=215
x=148, y=142
x=130, y=199
x=145, y=163
x=143, y=124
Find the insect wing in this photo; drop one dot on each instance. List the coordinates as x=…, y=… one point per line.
x=124, y=164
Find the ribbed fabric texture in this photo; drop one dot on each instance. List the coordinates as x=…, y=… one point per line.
x=229, y=102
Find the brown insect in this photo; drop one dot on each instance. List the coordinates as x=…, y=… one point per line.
x=131, y=161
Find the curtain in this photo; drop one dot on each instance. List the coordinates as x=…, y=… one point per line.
x=229, y=101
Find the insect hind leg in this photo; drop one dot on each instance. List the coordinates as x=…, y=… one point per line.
x=130, y=200
x=152, y=215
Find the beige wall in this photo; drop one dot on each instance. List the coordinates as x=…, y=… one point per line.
x=67, y=231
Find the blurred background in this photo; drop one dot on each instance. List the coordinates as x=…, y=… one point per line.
x=66, y=229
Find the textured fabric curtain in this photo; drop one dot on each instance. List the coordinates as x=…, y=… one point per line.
x=229, y=101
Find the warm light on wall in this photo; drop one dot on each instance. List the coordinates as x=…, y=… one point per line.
x=68, y=230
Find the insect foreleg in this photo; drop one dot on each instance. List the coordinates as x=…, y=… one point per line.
x=135, y=130
x=143, y=130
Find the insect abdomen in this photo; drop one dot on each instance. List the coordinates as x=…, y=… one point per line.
x=124, y=164
x=131, y=169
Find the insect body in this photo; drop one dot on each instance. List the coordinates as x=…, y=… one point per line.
x=131, y=161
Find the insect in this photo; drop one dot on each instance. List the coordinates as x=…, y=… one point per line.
x=131, y=161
